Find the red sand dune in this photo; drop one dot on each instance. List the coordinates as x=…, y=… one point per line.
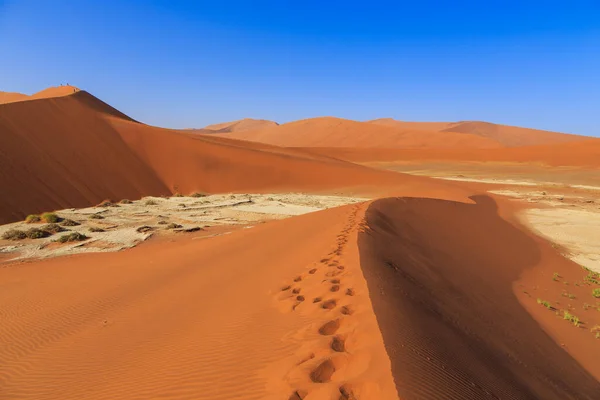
x=75, y=151
x=583, y=153
x=337, y=132
x=9, y=97
x=510, y=136
x=6, y=97
x=441, y=277
x=241, y=125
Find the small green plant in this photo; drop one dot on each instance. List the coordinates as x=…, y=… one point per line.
x=173, y=225
x=35, y=233
x=151, y=202
x=96, y=229
x=555, y=276
x=596, y=293
x=96, y=216
x=70, y=222
x=544, y=303
x=53, y=228
x=50, y=218
x=570, y=317
x=586, y=306
x=72, y=237
x=592, y=277
x=126, y=201
x=32, y=219
x=571, y=296
x=14, y=234
x=596, y=330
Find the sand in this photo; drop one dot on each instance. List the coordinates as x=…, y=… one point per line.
x=437, y=289
x=241, y=125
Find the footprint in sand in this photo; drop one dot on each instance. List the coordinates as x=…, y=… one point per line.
x=338, y=344
x=329, y=304
x=330, y=327
x=335, y=288
x=347, y=310
x=296, y=290
x=317, y=299
x=346, y=393
x=323, y=372
x=312, y=271
x=350, y=292
x=297, y=279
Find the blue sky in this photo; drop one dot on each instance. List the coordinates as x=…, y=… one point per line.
x=191, y=63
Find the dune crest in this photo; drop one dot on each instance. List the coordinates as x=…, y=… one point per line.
x=240, y=125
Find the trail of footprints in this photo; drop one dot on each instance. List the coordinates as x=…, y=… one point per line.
x=336, y=299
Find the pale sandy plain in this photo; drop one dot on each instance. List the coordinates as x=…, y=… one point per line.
x=431, y=289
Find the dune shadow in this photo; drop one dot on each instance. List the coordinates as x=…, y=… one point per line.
x=440, y=276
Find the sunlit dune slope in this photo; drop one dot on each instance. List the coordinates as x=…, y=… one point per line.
x=241, y=125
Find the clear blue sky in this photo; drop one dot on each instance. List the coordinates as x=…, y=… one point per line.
x=190, y=63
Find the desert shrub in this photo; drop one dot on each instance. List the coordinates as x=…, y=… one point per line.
x=70, y=222
x=72, y=237
x=572, y=318
x=596, y=293
x=198, y=194
x=35, y=233
x=173, y=225
x=126, y=201
x=544, y=303
x=14, y=234
x=32, y=219
x=96, y=216
x=107, y=203
x=53, y=228
x=96, y=229
x=555, y=276
x=162, y=222
x=144, y=229
x=151, y=202
x=177, y=195
x=50, y=218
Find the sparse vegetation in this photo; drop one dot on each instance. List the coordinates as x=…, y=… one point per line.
x=162, y=222
x=592, y=277
x=70, y=222
x=96, y=229
x=50, y=218
x=555, y=276
x=173, y=225
x=72, y=237
x=14, y=234
x=35, y=233
x=572, y=318
x=144, y=229
x=177, y=195
x=32, y=219
x=126, y=201
x=198, y=194
x=151, y=202
x=544, y=303
x=596, y=331
x=53, y=228
x=596, y=293
x=96, y=216
x=107, y=203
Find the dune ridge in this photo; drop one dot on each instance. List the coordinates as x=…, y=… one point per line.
x=240, y=125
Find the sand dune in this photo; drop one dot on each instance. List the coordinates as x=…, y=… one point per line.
x=192, y=319
x=6, y=97
x=75, y=151
x=337, y=132
x=9, y=97
x=510, y=136
x=441, y=276
x=584, y=153
x=241, y=125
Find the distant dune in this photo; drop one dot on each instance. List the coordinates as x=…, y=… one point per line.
x=337, y=132
x=75, y=150
x=9, y=97
x=509, y=136
x=241, y=125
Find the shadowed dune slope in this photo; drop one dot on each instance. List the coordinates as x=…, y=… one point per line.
x=440, y=275
x=60, y=152
x=584, y=153
x=240, y=125
x=75, y=151
x=337, y=132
